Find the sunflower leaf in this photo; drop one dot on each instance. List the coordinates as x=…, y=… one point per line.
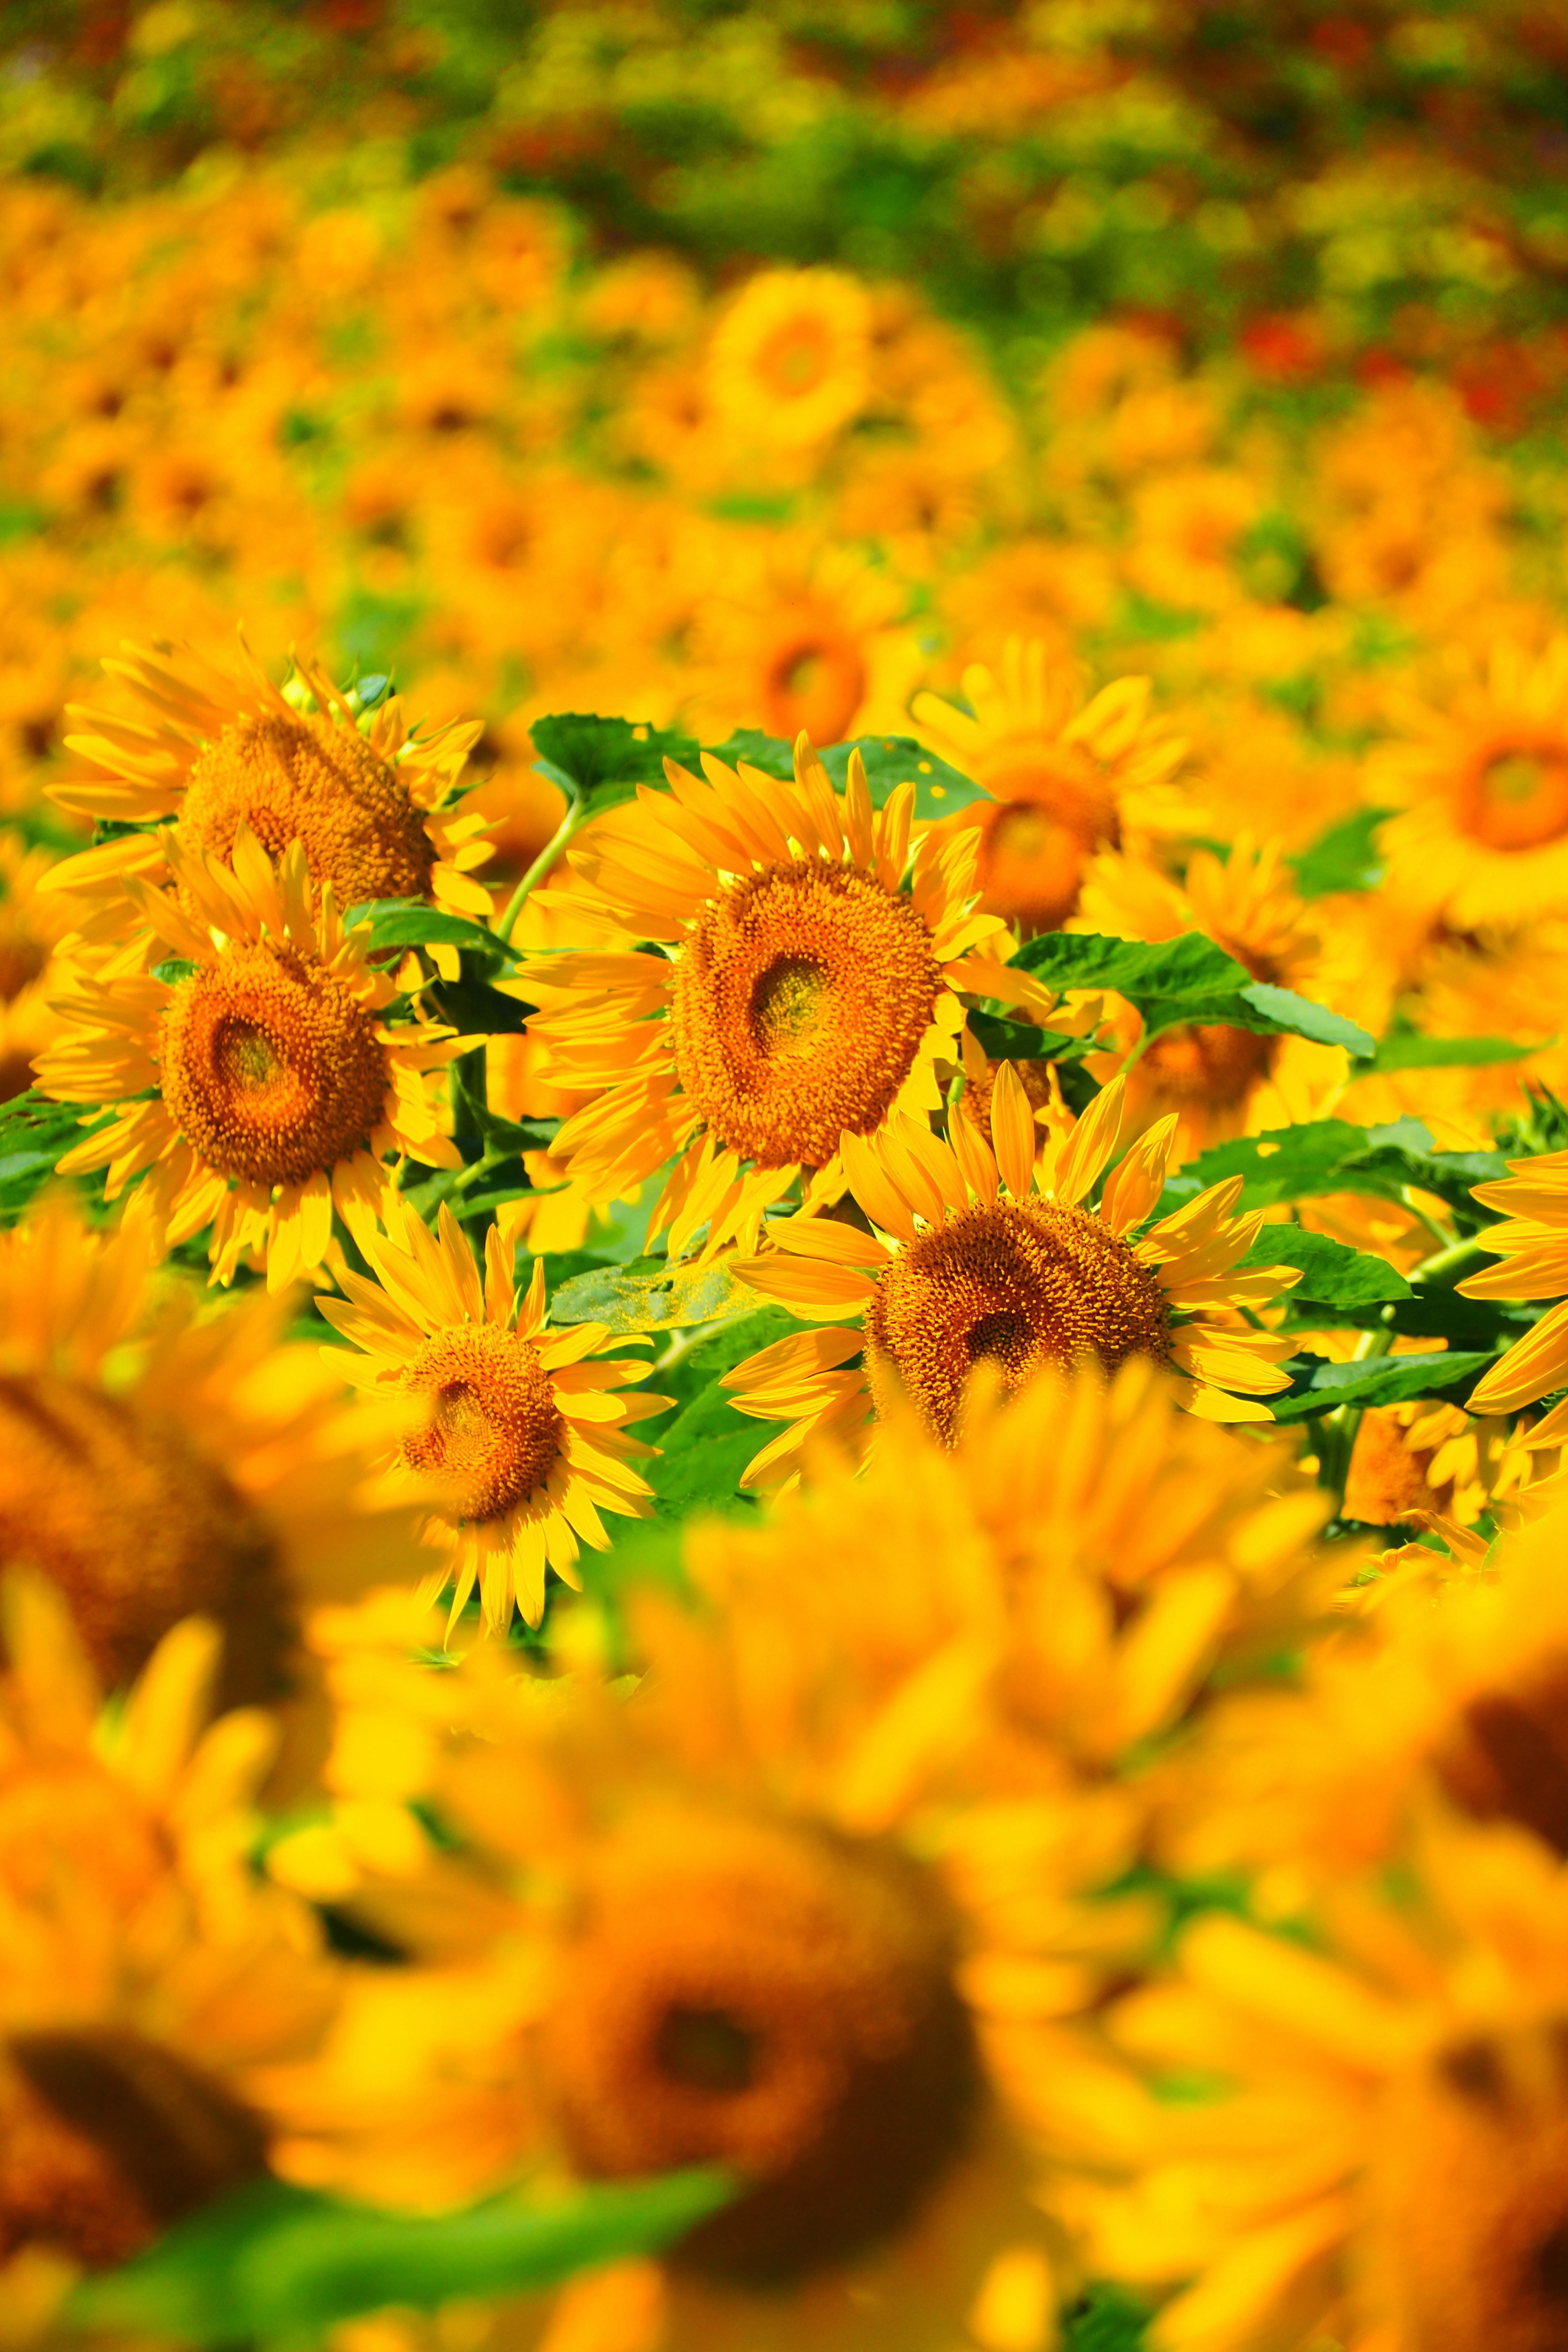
x=408, y=923
x=599, y=763
x=1318, y=1386
x=274, y=2261
x=35, y=1133
x=1019, y=1041
x=1187, y=979
x=1345, y=857
x=1331, y=1155
x=1408, y=1049
x=890, y=761
x=651, y=1294
x=1333, y=1274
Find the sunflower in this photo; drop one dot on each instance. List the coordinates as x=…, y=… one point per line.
x=526, y=1436
x=789, y=361
x=801, y=639
x=979, y=1256
x=1531, y=1240
x=148, y=1978
x=220, y=754
x=1061, y=782
x=259, y=1090
x=1457, y=1697
x=1482, y=790
x=767, y=1909
x=1219, y=1080
x=1359, y=2141
x=795, y=993
x=30, y=928
x=157, y=1460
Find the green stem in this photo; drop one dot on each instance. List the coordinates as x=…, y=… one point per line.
x=1337, y=1430
x=571, y=823
x=1447, y=1268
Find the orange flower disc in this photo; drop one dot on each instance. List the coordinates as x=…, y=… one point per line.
x=1206, y=1065
x=293, y=777
x=138, y=1529
x=800, y=999
x=1052, y=811
x=270, y=1068
x=1020, y=1284
x=1513, y=793
x=496, y=1430
x=772, y=1998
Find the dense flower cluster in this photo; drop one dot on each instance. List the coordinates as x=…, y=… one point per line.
x=611, y=830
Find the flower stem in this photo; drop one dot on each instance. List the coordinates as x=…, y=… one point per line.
x=571, y=823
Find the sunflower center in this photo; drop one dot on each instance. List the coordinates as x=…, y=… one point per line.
x=800, y=1000
x=815, y=680
x=271, y=1070
x=1516, y=796
x=291, y=777
x=495, y=1431
x=1473, y=2174
x=105, y=2139
x=1207, y=1063
x=1018, y=1284
x=1506, y=1757
x=138, y=1529
x=776, y=1999
x=794, y=359
x=22, y=956
x=1052, y=813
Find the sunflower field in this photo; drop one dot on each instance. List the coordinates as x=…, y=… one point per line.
x=784, y=1176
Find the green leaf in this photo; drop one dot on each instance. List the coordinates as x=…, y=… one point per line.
x=1382, y=1380
x=1345, y=857
x=890, y=761
x=408, y=923
x=1331, y=1155
x=277, y=2261
x=599, y=763
x=1408, y=1049
x=1333, y=1274
x=476, y=1010
x=651, y=1294
x=35, y=1134
x=705, y=1451
x=1186, y=979
x=1106, y=2319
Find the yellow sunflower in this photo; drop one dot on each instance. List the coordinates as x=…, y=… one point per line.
x=795, y=992
x=526, y=1439
x=789, y=363
x=1360, y=2141
x=979, y=1256
x=259, y=1092
x=1458, y=1693
x=148, y=1978
x=1532, y=1243
x=31, y=927
x=1221, y=1081
x=1482, y=791
x=222, y=754
x=767, y=1909
x=158, y=1459
x=1062, y=782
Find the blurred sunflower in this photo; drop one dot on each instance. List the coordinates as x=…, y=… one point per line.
x=978, y=1257
x=802, y=993
x=220, y=754
x=789, y=362
x=259, y=1092
x=801, y=639
x=148, y=1978
x=526, y=1439
x=157, y=1461
x=1219, y=1080
x=765, y=1910
x=1361, y=2142
x=1061, y=782
x=31, y=927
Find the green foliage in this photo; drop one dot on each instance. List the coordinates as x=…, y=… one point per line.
x=1187, y=979
x=890, y=761
x=707, y=1447
x=1333, y=1274
x=599, y=763
x=650, y=1294
x=1318, y=1386
x=1329, y=1155
x=277, y=2261
x=35, y=1134
x=1408, y=1049
x=1345, y=857
x=1105, y=2319
x=405, y=923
